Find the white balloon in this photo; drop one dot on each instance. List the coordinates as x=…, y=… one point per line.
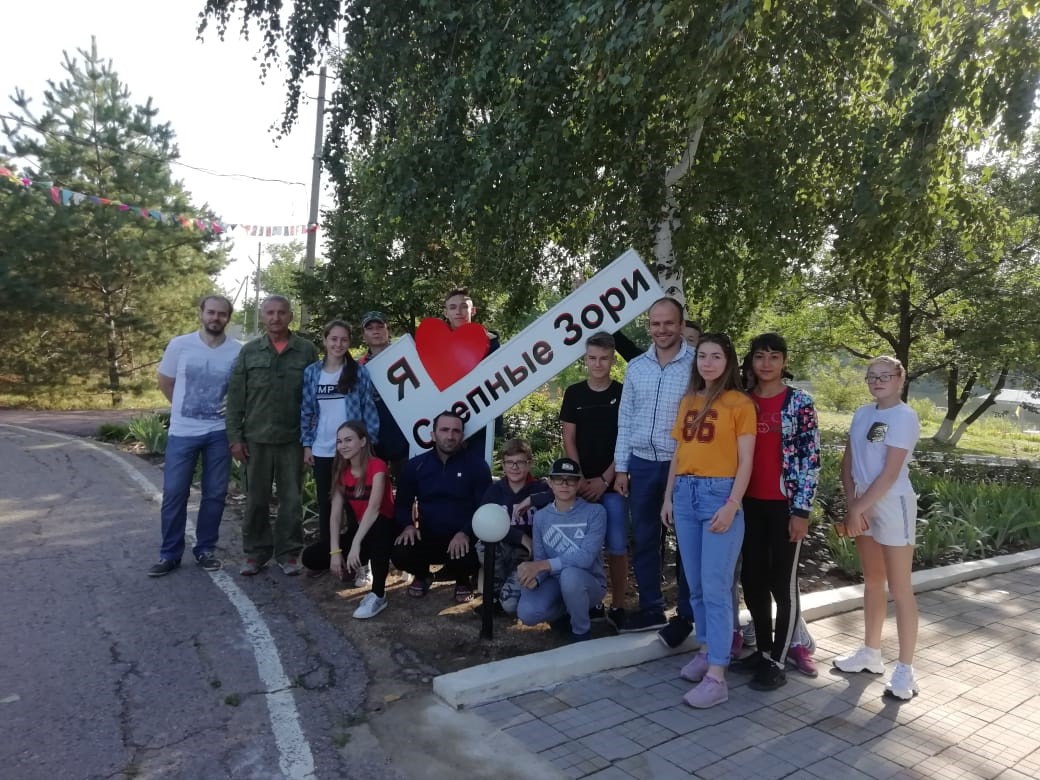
x=491, y=523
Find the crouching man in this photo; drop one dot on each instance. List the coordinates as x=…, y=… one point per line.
x=566, y=576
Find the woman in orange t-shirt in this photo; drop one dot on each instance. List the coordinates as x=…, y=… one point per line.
x=715, y=432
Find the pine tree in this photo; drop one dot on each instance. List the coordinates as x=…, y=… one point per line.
x=96, y=291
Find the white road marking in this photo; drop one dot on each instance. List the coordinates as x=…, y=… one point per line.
x=294, y=752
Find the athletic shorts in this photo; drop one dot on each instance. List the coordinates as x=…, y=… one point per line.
x=893, y=519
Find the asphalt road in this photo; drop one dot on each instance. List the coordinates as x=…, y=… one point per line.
x=105, y=672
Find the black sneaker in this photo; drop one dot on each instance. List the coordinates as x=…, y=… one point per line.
x=598, y=612
x=209, y=562
x=616, y=617
x=768, y=677
x=750, y=663
x=644, y=620
x=162, y=568
x=675, y=633
x=561, y=626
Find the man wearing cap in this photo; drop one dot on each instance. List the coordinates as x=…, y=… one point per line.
x=566, y=576
x=392, y=446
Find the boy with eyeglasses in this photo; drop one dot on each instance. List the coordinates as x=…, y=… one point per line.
x=566, y=576
x=519, y=492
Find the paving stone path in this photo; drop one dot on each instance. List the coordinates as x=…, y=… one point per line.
x=978, y=714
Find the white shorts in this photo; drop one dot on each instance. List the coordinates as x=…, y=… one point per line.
x=893, y=519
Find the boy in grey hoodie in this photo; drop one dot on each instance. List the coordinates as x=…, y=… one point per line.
x=566, y=576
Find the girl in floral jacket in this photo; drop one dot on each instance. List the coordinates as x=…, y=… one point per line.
x=783, y=482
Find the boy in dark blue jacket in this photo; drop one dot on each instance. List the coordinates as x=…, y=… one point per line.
x=520, y=493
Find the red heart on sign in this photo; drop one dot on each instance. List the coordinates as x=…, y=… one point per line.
x=446, y=354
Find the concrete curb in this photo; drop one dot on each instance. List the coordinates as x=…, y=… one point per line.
x=500, y=679
x=833, y=602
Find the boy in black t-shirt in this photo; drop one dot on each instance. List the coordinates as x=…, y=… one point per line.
x=589, y=414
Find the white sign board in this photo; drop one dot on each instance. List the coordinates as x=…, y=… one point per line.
x=612, y=298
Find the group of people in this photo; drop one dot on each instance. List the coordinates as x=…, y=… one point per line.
x=718, y=448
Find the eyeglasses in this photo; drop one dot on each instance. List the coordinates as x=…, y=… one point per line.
x=515, y=464
x=875, y=378
x=564, y=480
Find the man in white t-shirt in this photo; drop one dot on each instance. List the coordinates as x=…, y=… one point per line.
x=193, y=375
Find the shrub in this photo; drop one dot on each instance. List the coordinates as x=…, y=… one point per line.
x=151, y=431
x=536, y=421
x=113, y=432
x=927, y=411
x=843, y=552
x=838, y=387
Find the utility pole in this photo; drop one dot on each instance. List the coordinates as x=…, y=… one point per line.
x=258, y=258
x=312, y=222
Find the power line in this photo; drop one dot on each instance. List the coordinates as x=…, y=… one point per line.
x=145, y=155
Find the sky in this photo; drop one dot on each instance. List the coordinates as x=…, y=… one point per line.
x=210, y=91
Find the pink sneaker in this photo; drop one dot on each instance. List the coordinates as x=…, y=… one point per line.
x=798, y=656
x=707, y=694
x=697, y=667
x=738, y=644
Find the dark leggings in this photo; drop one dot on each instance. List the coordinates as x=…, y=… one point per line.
x=770, y=568
x=375, y=549
x=323, y=487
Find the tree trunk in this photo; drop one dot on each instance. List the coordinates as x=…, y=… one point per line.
x=954, y=403
x=668, y=272
x=906, y=324
x=989, y=401
x=112, y=353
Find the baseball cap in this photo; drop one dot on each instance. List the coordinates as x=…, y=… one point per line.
x=373, y=316
x=565, y=467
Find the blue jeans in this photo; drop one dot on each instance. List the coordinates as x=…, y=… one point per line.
x=709, y=559
x=647, y=479
x=571, y=592
x=616, y=507
x=182, y=453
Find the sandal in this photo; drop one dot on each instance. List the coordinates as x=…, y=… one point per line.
x=463, y=594
x=419, y=587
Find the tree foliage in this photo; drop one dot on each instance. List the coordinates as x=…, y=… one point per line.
x=967, y=308
x=94, y=292
x=510, y=145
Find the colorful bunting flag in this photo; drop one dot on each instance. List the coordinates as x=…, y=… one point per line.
x=66, y=197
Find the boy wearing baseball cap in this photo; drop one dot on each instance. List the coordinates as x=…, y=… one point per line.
x=566, y=575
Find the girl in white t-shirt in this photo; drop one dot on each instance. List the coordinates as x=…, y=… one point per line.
x=881, y=517
x=335, y=390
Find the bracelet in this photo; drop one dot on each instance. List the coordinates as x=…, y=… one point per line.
x=607, y=484
x=337, y=551
x=731, y=500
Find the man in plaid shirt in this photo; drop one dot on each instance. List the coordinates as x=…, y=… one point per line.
x=654, y=385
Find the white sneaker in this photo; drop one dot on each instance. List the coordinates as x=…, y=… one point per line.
x=370, y=606
x=750, y=639
x=364, y=577
x=866, y=659
x=902, y=686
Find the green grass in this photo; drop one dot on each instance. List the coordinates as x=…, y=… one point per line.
x=993, y=436
x=76, y=398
